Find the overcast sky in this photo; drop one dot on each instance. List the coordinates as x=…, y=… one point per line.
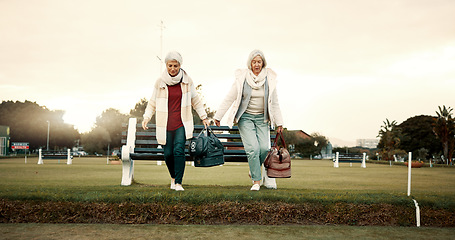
x=343, y=66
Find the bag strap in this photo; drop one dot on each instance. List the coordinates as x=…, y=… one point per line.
x=209, y=130
x=279, y=135
x=202, y=131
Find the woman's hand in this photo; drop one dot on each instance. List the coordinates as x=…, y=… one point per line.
x=279, y=129
x=217, y=123
x=206, y=122
x=144, y=124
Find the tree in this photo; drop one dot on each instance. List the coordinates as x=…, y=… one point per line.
x=320, y=142
x=28, y=122
x=96, y=140
x=444, y=128
x=111, y=121
x=417, y=133
x=390, y=135
x=305, y=146
x=139, y=109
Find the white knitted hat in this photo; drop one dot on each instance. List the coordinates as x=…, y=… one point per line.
x=253, y=54
x=173, y=55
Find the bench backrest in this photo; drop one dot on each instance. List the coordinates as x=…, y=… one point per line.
x=146, y=146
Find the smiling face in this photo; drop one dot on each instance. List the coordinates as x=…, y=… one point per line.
x=173, y=67
x=256, y=65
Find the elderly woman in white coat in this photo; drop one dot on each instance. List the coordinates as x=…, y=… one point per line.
x=255, y=107
x=172, y=100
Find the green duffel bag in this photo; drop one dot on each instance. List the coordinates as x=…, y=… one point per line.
x=207, y=151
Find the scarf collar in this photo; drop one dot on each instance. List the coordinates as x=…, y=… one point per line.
x=168, y=80
x=256, y=81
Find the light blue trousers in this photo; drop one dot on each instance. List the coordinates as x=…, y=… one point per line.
x=255, y=136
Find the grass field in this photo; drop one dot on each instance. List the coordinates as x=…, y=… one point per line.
x=92, y=180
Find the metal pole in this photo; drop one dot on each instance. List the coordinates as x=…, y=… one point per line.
x=48, y=126
x=161, y=45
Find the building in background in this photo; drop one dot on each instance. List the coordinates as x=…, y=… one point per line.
x=367, y=143
x=4, y=140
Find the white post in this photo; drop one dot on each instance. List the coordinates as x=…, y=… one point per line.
x=40, y=157
x=69, y=160
x=417, y=213
x=335, y=163
x=364, y=165
x=409, y=173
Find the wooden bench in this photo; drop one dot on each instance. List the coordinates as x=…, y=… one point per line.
x=52, y=155
x=350, y=158
x=139, y=144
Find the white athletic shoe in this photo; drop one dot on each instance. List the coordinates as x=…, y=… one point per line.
x=255, y=187
x=173, y=184
x=178, y=187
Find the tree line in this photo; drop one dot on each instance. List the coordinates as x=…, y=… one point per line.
x=425, y=136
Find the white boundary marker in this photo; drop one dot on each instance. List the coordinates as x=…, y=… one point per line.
x=409, y=190
x=409, y=173
x=417, y=213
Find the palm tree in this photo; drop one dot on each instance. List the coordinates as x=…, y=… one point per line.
x=444, y=128
x=389, y=135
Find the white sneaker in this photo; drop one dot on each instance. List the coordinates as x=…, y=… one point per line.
x=178, y=187
x=255, y=187
x=172, y=184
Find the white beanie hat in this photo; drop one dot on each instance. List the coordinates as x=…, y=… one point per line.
x=253, y=54
x=173, y=55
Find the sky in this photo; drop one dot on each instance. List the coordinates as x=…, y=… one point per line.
x=343, y=67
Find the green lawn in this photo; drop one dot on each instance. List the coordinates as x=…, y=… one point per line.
x=91, y=179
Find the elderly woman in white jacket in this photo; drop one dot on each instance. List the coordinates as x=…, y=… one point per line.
x=254, y=102
x=174, y=96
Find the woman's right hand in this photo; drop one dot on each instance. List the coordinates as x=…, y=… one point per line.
x=144, y=124
x=217, y=123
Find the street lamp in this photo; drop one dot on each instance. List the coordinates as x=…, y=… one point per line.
x=48, y=126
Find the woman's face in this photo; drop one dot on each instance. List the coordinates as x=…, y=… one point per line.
x=256, y=65
x=173, y=67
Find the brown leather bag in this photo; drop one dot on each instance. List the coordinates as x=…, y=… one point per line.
x=278, y=160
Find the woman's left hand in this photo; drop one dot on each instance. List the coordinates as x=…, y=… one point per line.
x=279, y=129
x=206, y=122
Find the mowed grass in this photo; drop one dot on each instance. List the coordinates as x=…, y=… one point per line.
x=93, y=180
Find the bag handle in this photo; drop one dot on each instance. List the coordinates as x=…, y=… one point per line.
x=209, y=130
x=279, y=135
x=202, y=131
